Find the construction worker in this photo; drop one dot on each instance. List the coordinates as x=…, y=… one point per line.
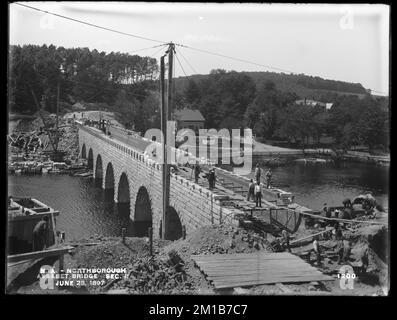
x=251, y=188
x=268, y=178
x=338, y=232
x=212, y=178
x=258, y=194
x=285, y=235
x=347, y=213
x=365, y=256
x=326, y=211
x=339, y=250
x=40, y=232
x=346, y=250
x=258, y=172
x=197, y=171
x=347, y=203
x=317, y=250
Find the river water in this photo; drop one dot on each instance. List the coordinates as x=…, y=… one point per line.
x=86, y=210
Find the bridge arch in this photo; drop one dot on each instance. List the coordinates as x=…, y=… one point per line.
x=109, y=177
x=143, y=214
x=123, y=189
x=83, y=152
x=143, y=206
x=98, y=174
x=108, y=182
x=173, y=225
x=90, y=159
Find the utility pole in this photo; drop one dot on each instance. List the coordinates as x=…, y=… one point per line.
x=166, y=108
x=57, y=123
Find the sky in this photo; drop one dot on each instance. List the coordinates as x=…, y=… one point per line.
x=339, y=42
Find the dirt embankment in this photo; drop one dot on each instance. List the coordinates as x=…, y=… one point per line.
x=171, y=269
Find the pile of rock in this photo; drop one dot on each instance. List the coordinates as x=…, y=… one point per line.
x=153, y=275
x=221, y=239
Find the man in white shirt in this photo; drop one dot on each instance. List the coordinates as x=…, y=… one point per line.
x=316, y=248
x=258, y=194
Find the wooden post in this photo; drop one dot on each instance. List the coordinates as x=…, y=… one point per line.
x=57, y=123
x=166, y=108
x=53, y=228
x=164, y=132
x=123, y=232
x=184, y=232
x=150, y=231
x=63, y=236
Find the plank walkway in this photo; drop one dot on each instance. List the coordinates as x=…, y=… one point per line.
x=249, y=269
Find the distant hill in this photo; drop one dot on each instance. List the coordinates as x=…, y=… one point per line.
x=315, y=88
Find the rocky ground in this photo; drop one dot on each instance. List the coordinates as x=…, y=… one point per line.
x=171, y=269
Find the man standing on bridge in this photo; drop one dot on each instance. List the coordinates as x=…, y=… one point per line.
x=251, y=188
x=212, y=178
x=197, y=171
x=268, y=178
x=258, y=194
x=258, y=173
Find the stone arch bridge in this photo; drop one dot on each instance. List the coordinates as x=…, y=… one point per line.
x=135, y=181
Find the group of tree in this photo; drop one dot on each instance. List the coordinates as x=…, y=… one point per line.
x=233, y=100
x=82, y=75
x=265, y=102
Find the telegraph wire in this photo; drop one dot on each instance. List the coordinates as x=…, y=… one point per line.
x=187, y=62
x=165, y=43
x=91, y=24
x=160, y=45
x=236, y=59
x=180, y=64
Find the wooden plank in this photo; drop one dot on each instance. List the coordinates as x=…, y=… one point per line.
x=253, y=258
x=258, y=275
x=343, y=220
x=240, y=263
x=245, y=255
x=223, y=285
x=246, y=260
x=310, y=236
x=38, y=254
x=210, y=268
x=236, y=270
x=283, y=288
x=275, y=279
x=259, y=269
x=255, y=269
x=261, y=276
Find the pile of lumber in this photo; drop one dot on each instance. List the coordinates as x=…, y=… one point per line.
x=242, y=270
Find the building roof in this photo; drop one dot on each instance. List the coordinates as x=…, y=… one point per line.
x=310, y=102
x=188, y=115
